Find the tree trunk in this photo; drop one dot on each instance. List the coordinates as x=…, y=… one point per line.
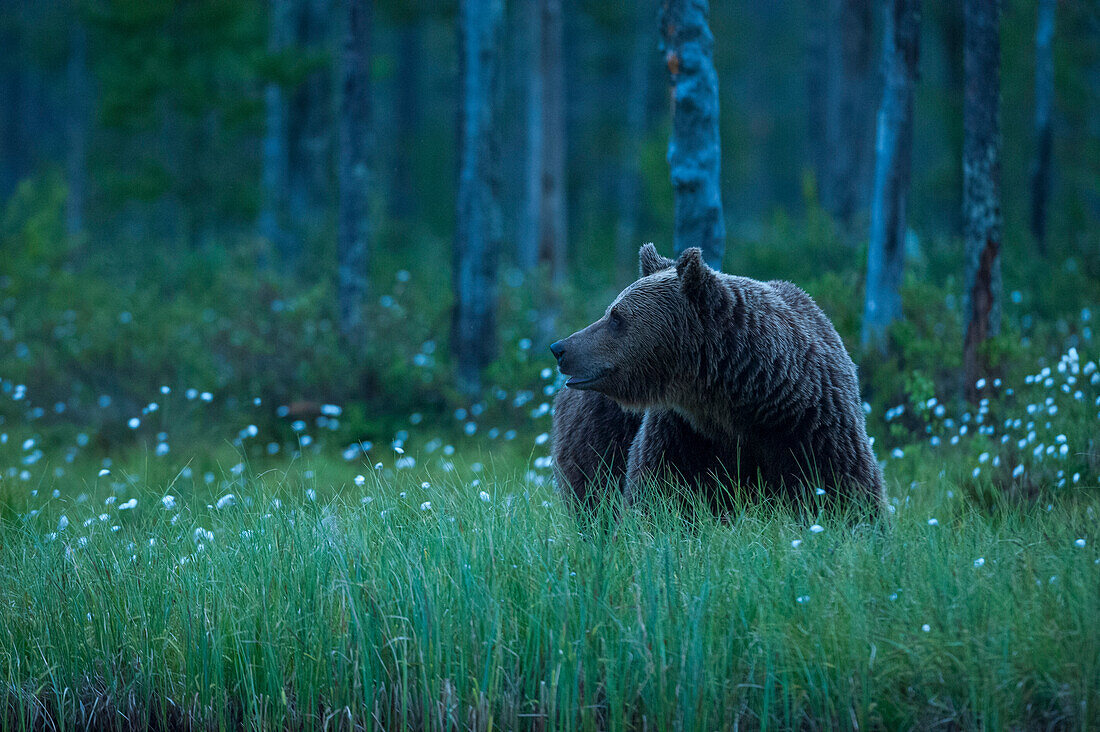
x=694, y=148
x=543, y=238
x=310, y=125
x=981, y=183
x=886, y=247
x=552, y=222
x=1044, y=101
x=477, y=225
x=848, y=107
x=77, y=115
x=17, y=128
x=403, y=202
x=274, y=161
x=527, y=254
x=352, y=224
x=817, y=92
x=634, y=132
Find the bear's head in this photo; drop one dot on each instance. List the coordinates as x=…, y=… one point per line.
x=650, y=338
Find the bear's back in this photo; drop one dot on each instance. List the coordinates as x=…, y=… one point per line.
x=804, y=306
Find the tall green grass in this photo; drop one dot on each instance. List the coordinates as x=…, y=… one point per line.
x=506, y=611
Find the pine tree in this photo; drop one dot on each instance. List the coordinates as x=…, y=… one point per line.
x=981, y=183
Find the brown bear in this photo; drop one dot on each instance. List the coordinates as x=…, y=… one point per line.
x=727, y=383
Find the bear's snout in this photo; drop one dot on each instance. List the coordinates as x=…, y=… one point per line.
x=565, y=356
x=575, y=360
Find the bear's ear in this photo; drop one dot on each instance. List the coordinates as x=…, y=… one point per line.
x=649, y=261
x=698, y=281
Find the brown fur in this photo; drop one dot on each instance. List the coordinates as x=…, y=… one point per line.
x=592, y=436
x=738, y=382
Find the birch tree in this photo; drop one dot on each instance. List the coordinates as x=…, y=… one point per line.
x=635, y=127
x=848, y=107
x=1044, y=103
x=351, y=221
x=527, y=253
x=77, y=119
x=893, y=163
x=410, y=48
x=477, y=220
x=544, y=231
x=694, y=148
x=310, y=122
x=274, y=163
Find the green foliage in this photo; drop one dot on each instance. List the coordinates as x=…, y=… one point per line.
x=33, y=231
x=207, y=319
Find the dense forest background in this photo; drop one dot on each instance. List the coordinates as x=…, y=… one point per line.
x=171, y=177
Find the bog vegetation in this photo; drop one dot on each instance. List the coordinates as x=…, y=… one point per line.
x=201, y=552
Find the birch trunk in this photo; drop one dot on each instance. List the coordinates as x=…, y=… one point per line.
x=1044, y=103
x=352, y=217
x=694, y=148
x=77, y=117
x=274, y=163
x=893, y=162
x=848, y=107
x=635, y=128
x=477, y=224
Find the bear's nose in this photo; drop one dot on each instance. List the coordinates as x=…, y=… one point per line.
x=557, y=348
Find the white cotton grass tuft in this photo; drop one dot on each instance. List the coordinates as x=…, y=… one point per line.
x=128, y=505
x=169, y=501
x=226, y=501
x=816, y=529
